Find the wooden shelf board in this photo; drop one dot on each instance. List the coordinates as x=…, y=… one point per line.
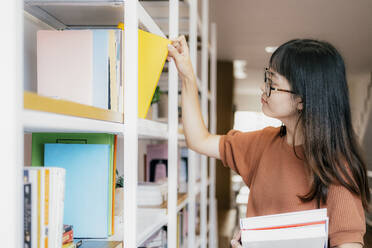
x=33, y=101
x=181, y=201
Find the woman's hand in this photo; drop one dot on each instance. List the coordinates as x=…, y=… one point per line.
x=235, y=242
x=179, y=51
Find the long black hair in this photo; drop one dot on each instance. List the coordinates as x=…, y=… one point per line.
x=316, y=72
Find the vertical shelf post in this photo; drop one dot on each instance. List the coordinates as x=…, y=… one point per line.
x=204, y=106
x=130, y=123
x=173, y=130
x=213, y=237
x=11, y=102
x=192, y=156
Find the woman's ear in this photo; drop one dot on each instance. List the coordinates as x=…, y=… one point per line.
x=299, y=102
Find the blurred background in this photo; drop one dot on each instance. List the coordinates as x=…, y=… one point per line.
x=248, y=32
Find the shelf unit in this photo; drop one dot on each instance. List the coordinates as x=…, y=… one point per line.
x=28, y=112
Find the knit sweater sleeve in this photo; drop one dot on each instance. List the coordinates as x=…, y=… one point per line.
x=241, y=150
x=346, y=217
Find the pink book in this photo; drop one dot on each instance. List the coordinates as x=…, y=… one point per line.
x=156, y=162
x=65, y=65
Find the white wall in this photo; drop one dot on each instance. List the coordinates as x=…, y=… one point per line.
x=358, y=88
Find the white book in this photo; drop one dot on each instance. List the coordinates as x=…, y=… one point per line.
x=60, y=205
x=56, y=206
x=295, y=229
x=52, y=208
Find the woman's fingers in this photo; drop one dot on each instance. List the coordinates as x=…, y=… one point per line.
x=235, y=244
x=237, y=235
x=183, y=41
x=235, y=241
x=173, y=52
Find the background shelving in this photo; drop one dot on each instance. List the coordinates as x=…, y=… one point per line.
x=26, y=112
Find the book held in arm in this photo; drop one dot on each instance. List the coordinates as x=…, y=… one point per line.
x=306, y=229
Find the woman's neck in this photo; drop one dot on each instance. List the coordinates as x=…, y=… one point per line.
x=290, y=132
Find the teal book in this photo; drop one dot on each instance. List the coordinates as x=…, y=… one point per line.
x=37, y=152
x=87, y=182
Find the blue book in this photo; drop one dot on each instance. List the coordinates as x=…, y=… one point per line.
x=87, y=183
x=101, y=77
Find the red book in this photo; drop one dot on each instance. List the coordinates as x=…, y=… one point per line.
x=67, y=237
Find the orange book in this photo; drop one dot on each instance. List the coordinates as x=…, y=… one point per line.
x=46, y=208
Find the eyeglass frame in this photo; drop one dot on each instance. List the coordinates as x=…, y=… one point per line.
x=268, y=87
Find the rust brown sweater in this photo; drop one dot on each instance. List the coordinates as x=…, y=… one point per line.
x=275, y=176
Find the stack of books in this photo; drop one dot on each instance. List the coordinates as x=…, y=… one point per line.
x=44, y=204
x=68, y=236
x=305, y=229
x=151, y=194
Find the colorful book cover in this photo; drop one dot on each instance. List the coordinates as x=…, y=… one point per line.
x=87, y=184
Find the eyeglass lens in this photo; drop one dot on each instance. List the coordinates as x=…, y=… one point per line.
x=267, y=83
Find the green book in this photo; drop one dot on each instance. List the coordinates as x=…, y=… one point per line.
x=37, y=152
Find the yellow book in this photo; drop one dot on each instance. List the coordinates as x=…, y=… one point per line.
x=152, y=53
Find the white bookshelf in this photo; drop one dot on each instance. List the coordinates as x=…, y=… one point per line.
x=139, y=224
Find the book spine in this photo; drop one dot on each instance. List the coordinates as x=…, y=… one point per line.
x=112, y=66
x=60, y=205
x=67, y=228
x=34, y=200
x=27, y=214
x=68, y=237
x=52, y=208
x=114, y=184
x=46, y=207
x=39, y=208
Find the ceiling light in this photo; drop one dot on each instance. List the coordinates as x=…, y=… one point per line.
x=270, y=49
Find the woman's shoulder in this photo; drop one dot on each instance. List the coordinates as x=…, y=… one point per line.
x=267, y=132
x=261, y=136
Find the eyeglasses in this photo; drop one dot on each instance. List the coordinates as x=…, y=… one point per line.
x=269, y=82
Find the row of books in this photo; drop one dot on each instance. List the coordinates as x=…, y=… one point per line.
x=89, y=160
x=43, y=206
x=83, y=66
x=86, y=66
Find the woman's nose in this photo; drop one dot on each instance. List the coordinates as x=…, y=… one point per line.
x=262, y=87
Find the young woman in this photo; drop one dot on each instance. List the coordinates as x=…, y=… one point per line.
x=313, y=160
